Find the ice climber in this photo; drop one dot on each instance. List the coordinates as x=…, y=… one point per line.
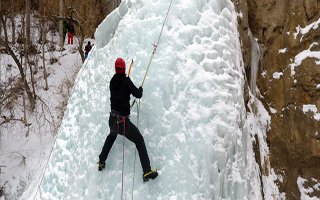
x=121, y=87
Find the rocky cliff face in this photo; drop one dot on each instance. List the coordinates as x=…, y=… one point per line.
x=289, y=84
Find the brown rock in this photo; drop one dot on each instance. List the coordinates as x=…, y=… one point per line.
x=294, y=136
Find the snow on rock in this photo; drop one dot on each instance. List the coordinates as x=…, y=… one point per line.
x=306, y=29
x=311, y=108
x=277, y=75
x=305, y=191
x=272, y=110
x=283, y=50
x=303, y=55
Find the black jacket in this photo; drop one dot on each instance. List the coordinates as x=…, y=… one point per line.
x=120, y=89
x=87, y=48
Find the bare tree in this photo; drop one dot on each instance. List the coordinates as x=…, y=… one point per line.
x=84, y=15
x=61, y=24
x=28, y=46
x=5, y=43
x=13, y=29
x=0, y=11
x=44, y=30
x=28, y=23
x=78, y=22
x=45, y=74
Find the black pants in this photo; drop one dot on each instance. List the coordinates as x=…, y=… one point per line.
x=116, y=123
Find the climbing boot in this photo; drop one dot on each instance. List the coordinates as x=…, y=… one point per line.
x=101, y=165
x=151, y=174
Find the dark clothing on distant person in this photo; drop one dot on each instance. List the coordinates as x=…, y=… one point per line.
x=70, y=33
x=87, y=49
x=70, y=38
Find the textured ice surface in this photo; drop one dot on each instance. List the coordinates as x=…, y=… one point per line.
x=191, y=114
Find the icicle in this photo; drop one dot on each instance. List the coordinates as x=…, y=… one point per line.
x=255, y=57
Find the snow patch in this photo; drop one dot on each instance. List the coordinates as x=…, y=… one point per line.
x=303, y=55
x=277, y=75
x=272, y=110
x=311, y=108
x=306, y=191
x=283, y=50
x=306, y=29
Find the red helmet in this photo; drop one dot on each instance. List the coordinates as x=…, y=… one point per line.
x=120, y=66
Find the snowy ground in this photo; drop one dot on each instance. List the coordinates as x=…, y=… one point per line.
x=192, y=113
x=23, y=157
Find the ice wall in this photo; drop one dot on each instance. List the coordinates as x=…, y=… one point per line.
x=191, y=116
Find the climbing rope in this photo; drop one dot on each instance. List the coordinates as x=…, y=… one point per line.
x=123, y=121
x=55, y=139
x=135, y=152
x=155, y=46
